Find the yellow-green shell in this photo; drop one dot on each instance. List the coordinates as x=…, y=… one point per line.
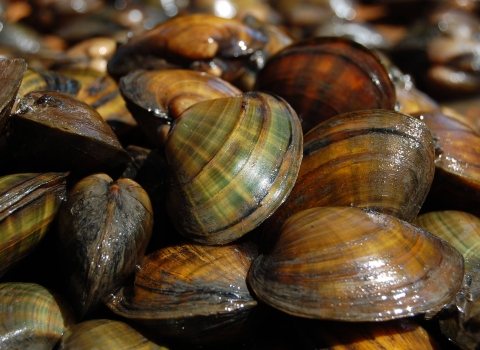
x=233, y=162
x=31, y=317
x=28, y=204
x=105, y=334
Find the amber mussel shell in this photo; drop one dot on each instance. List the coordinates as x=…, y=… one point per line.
x=158, y=97
x=376, y=159
x=323, y=77
x=190, y=291
x=456, y=185
x=104, y=230
x=352, y=264
x=233, y=161
x=186, y=39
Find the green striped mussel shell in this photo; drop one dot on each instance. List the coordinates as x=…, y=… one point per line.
x=233, y=162
x=28, y=204
x=460, y=229
x=31, y=317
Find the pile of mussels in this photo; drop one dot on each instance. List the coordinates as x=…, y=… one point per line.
x=190, y=174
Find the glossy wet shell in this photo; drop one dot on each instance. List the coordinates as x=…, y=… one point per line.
x=233, y=162
x=460, y=229
x=35, y=80
x=104, y=229
x=324, y=77
x=185, y=39
x=102, y=334
x=189, y=286
x=31, y=317
x=167, y=93
x=457, y=164
x=28, y=205
x=377, y=159
x=350, y=264
x=55, y=130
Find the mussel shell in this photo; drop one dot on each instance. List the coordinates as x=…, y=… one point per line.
x=395, y=334
x=28, y=204
x=54, y=130
x=38, y=79
x=351, y=264
x=104, y=230
x=158, y=97
x=190, y=291
x=376, y=159
x=460, y=229
x=31, y=317
x=456, y=185
x=11, y=74
x=233, y=161
x=102, y=92
x=323, y=77
x=185, y=39
x=105, y=334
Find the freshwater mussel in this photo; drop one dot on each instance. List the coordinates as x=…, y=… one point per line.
x=104, y=229
x=216, y=198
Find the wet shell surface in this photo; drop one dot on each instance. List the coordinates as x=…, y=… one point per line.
x=376, y=159
x=324, y=77
x=31, y=317
x=54, y=130
x=11, y=75
x=350, y=264
x=233, y=161
x=104, y=230
x=102, y=334
x=28, y=205
x=190, y=290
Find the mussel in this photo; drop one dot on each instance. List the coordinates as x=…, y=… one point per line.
x=28, y=205
x=233, y=161
x=377, y=159
x=104, y=230
x=323, y=77
x=32, y=317
x=192, y=292
x=352, y=264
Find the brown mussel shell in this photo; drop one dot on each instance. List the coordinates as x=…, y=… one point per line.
x=456, y=185
x=104, y=230
x=28, y=205
x=351, y=264
x=103, y=334
x=323, y=77
x=190, y=291
x=42, y=79
x=31, y=317
x=233, y=161
x=376, y=159
x=54, y=130
x=184, y=40
x=11, y=74
x=156, y=98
